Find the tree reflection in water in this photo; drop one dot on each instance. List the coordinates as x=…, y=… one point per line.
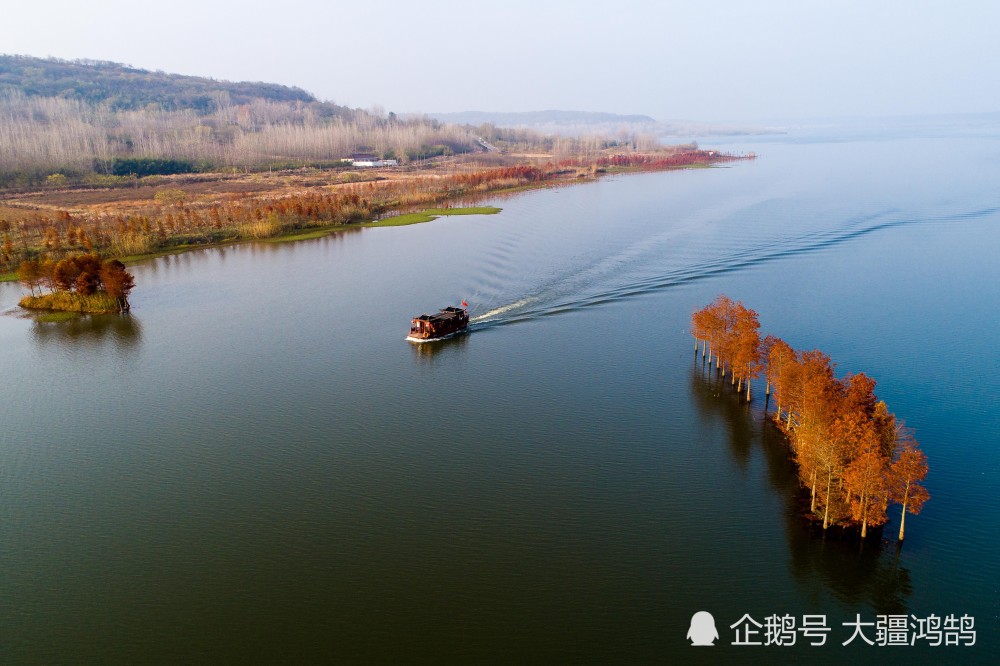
x=121, y=330
x=856, y=572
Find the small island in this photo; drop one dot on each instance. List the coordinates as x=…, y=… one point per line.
x=82, y=283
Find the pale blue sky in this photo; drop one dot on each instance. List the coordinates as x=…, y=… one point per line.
x=709, y=60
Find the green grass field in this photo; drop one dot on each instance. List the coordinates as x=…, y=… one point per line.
x=428, y=215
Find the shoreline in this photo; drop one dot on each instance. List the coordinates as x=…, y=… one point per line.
x=389, y=198
x=296, y=235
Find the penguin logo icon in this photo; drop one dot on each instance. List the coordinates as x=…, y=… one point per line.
x=703, y=631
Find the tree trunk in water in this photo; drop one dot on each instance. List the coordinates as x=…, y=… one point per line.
x=826, y=509
x=902, y=519
x=812, y=506
x=864, y=516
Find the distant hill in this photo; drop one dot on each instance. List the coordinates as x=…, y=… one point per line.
x=127, y=88
x=536, y=118
x=90, y=122
x=55, y=126
x=589, y=123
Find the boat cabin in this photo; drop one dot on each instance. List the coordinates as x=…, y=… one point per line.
x=447, y=321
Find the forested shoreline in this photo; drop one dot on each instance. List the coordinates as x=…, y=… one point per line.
x=102, y=123
x=852, y=454
x=99, y=157
x=96, y=123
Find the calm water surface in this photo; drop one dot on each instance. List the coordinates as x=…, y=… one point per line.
x=255, y=466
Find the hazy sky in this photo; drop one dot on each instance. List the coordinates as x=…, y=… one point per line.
x=700, y=60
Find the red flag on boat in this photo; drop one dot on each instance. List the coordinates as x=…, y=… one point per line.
x=464, y=304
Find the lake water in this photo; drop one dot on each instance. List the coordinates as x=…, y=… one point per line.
x=254, y=466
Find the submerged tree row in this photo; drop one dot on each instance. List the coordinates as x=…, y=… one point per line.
x=851, y=453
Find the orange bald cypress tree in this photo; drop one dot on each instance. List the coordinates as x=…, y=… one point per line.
x=907, y=471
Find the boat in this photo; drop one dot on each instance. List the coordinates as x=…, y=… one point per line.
x=446, y=323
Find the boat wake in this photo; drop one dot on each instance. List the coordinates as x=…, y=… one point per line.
x=410, y=338
x=497, y=313
x=654, y=264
